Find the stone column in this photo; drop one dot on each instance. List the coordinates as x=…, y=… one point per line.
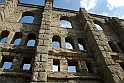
x=1, y=61
x=23, y=40
x=10, y=37
x=82, y=66
x=63, y=43
x=17, y=63
x=76, y=44
x=110, y=70
x=63, y=65
x=1, y=58
x=50, y=65
x=0, y=33
x=41, y=55
x=117, y=47
x=94, y=67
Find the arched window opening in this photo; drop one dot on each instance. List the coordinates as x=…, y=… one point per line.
x=31, y=42
x=17, y=38
x=27, y=17
x=113, y=46
x=81, y=47
x=98, y=27
x=55, y=44
x=4, y=36
x=34, y=2
x=121, y=46
x=65, y=22
x=17, y=41
x=56, y=41
x=69, y=43
x=81, y=44
x=3, y=40
x=122, y=65
x=69, y=46
x=31, y=39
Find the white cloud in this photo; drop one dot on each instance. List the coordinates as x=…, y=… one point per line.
x=88, y=4
x=122, y=16
x=66, y=24
x=104, y=14
x=118, y=13
x=67, y=1
x=115, y=4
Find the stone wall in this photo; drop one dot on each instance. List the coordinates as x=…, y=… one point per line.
x=101, y=60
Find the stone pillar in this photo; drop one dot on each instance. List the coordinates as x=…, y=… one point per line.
x=40, y=65
x=0, y=33
x=23, y=40
x=17, y=63
x=82, y=66
x=76, y=44
x=50, y=65
x=117, y=47
x=94, y=67
x=100, y=50
x=63, y=65
x=1, y=61
x=63, y=43
x=10, y=37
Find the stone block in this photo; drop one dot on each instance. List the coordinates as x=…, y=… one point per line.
x=37, y=58
x=42, y=49
x=34, y=76
x=43, y=36
x=109, y=61
x=41, y=57
x=42, y=31
x=63, y=65
x=40, y=66
x=43, y=42
x=42, y=77
x=44, y=57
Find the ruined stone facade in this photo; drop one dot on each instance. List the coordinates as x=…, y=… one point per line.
x=101, y=61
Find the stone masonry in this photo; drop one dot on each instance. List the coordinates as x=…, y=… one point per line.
x=101, y=61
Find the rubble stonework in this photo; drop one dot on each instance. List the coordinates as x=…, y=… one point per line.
x=101, y=61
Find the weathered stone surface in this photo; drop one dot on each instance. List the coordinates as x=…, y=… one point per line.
x=42, y=49
x=100, y=61
x=42, y=77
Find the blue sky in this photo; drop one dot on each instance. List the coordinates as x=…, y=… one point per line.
x=103, y=7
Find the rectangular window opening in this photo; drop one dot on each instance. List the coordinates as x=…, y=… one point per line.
x=26, y=66
x=122, y=65
x=89, y=67
x=7, y=65
x=72, y=66
x=56, y=65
